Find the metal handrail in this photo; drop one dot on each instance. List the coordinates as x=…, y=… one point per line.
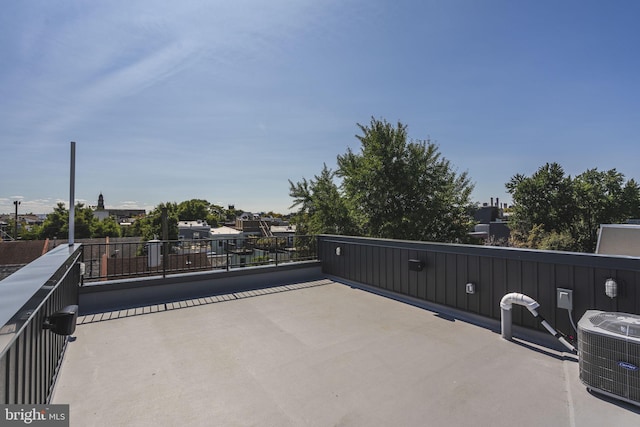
x=120, y=260
x=30, y=355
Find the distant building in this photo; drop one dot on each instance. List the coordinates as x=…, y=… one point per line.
x=491, y=223
x=25, y=222
x=120, y=215
x=257, y=225
x=619, y=239
x=283, y=230
x=225, y=238
x=4, y=227
x=193, y=230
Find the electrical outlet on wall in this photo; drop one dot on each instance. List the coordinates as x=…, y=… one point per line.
x=564, y=298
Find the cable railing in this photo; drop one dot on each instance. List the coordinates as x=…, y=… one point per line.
x=122, y=260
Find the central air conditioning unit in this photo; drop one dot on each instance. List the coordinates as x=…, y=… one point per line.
x=609, y=354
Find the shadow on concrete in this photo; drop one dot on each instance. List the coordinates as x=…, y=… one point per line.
x=140, y=310
x=612, y=400
x=565, y=357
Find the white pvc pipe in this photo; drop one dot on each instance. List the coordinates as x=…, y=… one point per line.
x=506, y=303
x=520, y=299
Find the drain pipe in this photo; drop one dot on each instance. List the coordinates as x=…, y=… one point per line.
x=507, y=302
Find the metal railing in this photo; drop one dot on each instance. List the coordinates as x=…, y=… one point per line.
x=108, y=261
x=30, y=355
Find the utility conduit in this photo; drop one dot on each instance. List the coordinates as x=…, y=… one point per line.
x=507, y=302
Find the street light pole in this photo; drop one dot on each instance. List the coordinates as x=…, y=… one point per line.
x=15, y=234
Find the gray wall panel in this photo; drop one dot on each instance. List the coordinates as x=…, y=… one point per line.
x=441, y=278
x=430, y=269
x=495, y=271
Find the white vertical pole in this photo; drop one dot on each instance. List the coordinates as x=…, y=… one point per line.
x=72, y=201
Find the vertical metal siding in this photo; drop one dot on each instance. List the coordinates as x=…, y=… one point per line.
x=441, y=278
x=387, y=263
x=529, y=279
x=485, y=290
x=430, y=269
x=473, y=276
x=495, y=272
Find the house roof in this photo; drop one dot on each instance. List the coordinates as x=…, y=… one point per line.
x=22, y=251
x=283, y=228
x=224, y=230
x=194, y=224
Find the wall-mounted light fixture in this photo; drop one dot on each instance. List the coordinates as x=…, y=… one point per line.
x=416, y=265
x=62, y=322
x=611, y=288
x=470, y=288
x=338, y=251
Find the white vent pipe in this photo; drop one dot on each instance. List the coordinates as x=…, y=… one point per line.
x=506, y=303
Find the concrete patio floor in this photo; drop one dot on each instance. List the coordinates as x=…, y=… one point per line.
x=318, y=353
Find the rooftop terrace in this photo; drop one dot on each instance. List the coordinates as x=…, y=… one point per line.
x=372, y=332
x=316, y=353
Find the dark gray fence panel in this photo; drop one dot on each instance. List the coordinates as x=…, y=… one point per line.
x=413, y=275
x=473, y=276
x=484, y=292
x=400, y=259
x=430, y=273
x=494, y=271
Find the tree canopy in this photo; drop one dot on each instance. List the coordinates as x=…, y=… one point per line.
x=390, y=188
x=554, y=211
x=56, y=225
x=194, y=209
x=322, y=209
x=150, y=227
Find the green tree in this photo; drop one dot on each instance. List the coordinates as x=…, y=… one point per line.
x=199, y=209
x=539, y=238
x=193, y=210
x=404, y=190
x=544, y=199
x=631, y=199
x=108, y=227
x=217, y=215
x=150, y=227
x=554, y=211
x=31, y=234
x=55, y=225
x=321, y=207
x=600, y=198
x=84, y=222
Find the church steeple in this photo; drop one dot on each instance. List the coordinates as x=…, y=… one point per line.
x=100, y=203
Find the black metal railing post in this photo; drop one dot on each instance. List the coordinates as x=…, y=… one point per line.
x=139, y=258
x=165, y=238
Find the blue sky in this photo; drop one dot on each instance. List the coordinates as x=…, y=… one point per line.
x=227, y=101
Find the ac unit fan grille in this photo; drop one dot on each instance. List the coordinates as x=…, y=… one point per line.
x=608, y=361
x=599, y=365
x=618, y=323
